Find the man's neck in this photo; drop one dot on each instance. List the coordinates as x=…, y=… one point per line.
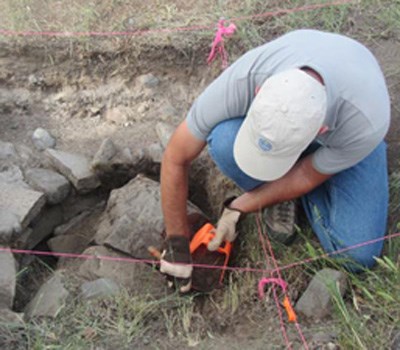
x=314, y=74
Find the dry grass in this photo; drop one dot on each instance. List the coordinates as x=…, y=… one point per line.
x=137, y=16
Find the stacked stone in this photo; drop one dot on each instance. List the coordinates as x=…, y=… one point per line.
x=31, y=197
x=48, y=195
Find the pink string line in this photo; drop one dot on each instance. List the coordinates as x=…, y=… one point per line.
x=102, y=34
x=204, y=266
x=242, y=269
x=336, y=252
x=279, y=12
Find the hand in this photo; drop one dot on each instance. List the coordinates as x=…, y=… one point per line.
x=226, y=226
x=175, y=263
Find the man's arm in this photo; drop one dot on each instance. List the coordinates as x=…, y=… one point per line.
x=181, y=150
x=301, y=179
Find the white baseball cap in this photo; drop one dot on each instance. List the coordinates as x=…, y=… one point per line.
x=282, y=121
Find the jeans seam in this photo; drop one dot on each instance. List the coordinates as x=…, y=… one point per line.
x=325, y=230
x=333, y=206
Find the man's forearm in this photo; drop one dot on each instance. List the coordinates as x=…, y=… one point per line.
x=181, y=150
x=301, y=179
x=174, y=191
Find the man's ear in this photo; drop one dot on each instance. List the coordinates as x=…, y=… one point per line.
x=323, y=130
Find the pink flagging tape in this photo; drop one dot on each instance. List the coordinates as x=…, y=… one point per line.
x=276, y=299
x=286, y=301
x=279, y=281
x=29, y=33
x=218, y=46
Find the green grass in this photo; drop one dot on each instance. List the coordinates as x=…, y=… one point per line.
x=373, y=309
x=368, y=316
x=387, y=13
x=118, y=322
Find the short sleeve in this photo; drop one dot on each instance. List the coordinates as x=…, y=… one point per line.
x=353, y=140
x=228, y=96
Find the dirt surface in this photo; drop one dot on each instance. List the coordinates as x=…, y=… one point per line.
x=73, y=106
x=71, y=99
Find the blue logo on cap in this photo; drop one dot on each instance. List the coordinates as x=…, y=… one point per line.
x=264, y=144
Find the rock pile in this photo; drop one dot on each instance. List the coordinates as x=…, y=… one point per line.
x=57, y=199
x=107, y=211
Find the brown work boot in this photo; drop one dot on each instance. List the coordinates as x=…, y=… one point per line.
x=280, y=221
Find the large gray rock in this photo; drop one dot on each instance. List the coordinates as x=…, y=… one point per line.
x=10, y=225
x=115, y=166
x=133, y=218
x=25, y=203
x=77, y=204
x=42, y=139
x=55, y=186
x=72, y=224
x=139, y=278
x=317, y=301
x=74, y=244
x=49, y=300
x=12, y=174
x=8, y=317
x=106, y=152
x=41, y=228
x=76, y=168
x=164, y=132
x=29, y=157
x=155, y=152
x=101, y=287
x=8, y=273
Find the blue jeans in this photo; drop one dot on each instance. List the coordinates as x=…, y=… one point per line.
x=348, y=209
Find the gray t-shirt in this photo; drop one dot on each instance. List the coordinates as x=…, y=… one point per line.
x=358, y=112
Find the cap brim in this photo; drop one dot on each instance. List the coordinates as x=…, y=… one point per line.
x=255, y=163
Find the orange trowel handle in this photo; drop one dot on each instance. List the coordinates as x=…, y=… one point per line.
x=204, y=236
